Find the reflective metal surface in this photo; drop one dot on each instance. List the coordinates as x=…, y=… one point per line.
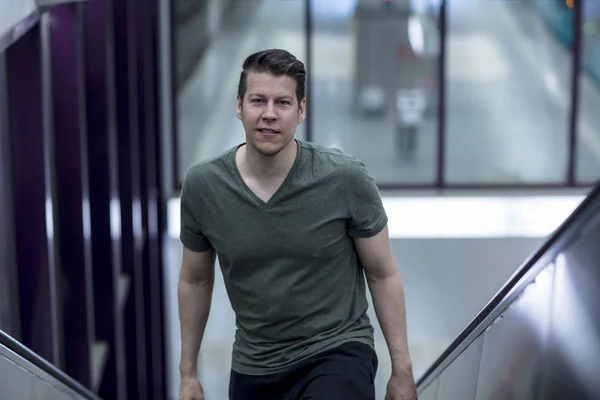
x=431, y=392
x=21, y=378
x=459, y=380
x=573, y=363
x=14, y=381
x=541, y=332
x=513, y=347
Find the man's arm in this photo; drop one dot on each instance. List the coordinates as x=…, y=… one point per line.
x=385, y=284
x=195, y=287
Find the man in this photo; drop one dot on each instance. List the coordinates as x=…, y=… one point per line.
x=295, y=227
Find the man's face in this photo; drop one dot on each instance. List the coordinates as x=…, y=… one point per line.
x=270, y=112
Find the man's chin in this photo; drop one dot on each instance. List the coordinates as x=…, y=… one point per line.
x=268, y=149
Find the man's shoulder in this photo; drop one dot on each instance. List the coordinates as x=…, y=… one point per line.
x=203, y=171
x=331, y=158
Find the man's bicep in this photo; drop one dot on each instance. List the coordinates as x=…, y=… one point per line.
x=375, y=255
x=367, y=214
x=191, y=234
x=197, y=266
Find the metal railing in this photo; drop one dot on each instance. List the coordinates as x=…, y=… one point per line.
x=588, y=211
x=26, y=354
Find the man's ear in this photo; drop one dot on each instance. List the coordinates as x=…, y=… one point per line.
x=302, y=111
x=239, y=108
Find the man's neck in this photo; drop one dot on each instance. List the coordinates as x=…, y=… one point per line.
x=268, y=167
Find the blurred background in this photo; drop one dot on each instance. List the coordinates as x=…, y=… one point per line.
x=478, y=120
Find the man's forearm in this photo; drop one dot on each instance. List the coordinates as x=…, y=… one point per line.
x=194, y=307
x=389, y=304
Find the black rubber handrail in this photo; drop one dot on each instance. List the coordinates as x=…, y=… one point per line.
x=505, y=294
x=27, y=354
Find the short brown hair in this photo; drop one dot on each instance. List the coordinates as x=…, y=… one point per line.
x=276, y=62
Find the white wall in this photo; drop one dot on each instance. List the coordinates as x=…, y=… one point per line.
x=13, y=11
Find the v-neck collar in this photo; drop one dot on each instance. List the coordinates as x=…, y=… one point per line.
x=279, y=190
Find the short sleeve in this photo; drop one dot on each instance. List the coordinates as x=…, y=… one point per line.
x=367, y=214
x=190, y=234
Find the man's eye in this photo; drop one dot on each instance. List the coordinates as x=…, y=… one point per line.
x=285, y=102
x=257, y=100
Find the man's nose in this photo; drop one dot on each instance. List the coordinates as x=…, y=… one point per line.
x=269, y=113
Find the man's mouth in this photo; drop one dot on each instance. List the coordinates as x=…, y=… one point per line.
x=270, y=131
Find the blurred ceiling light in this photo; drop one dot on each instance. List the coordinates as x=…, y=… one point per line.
x=416, y=35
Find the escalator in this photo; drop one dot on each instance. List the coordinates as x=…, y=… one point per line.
x=539, y=337
x=25, y=375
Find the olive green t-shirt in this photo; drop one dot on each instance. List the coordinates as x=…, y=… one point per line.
x=290, y=266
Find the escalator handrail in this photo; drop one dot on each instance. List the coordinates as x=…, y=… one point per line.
x=13, y=345
x=566, y=231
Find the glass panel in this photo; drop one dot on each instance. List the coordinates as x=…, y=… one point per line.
x=508, y=91
x=460, y=379
x=588, y=124
x=374, y=81
x=212, y=40
x=9, y=312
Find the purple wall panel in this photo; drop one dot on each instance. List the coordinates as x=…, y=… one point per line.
x=132, y=236
x=149, y=136
x=37, y=290
x=72, y=190
x=156, y=207
x=104, y=193
x=84, y=137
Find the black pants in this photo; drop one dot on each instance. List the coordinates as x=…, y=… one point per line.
x=346, y=372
